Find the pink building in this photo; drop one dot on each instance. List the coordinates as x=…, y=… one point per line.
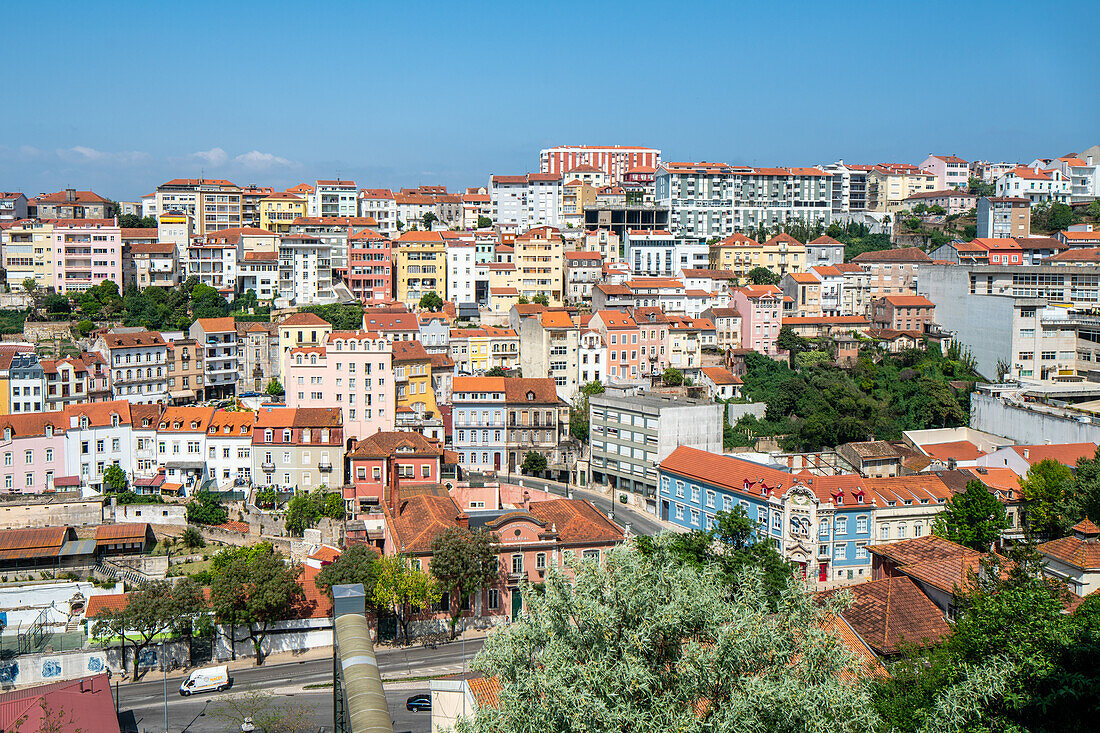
x=32, y=452
x=620, y=334
x=760, y=307
x=370, y=257
x=352, y=370
x=88, y=252
x=534, y=536
x=653, y=330
x=385, y=463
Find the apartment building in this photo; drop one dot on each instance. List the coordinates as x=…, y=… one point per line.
x=848, y=188
x=229, y=448
x=380, y=205
x=258, y=356
x=613, y=160
x=33, y=448
x=301, y=329
x=632, y=433
x=151, y=263
x=393, y=323
x=740, y=255
x=760, y=307
x=279, y=210
x=351, y=371
x=66, y=382
x=952, y=201
x=855, y=292
x=251, y=198
x=727, y=326
x=259, y=272
x=13, y=206
x=97, y=436
x=420, y=267
x=621, y=334
x=949, y=171
x=138, y=362
x=73, y=204
x=1004, y=216
x=522, y=202
x=889, y=184
x=383, y=464
x=87, y=253
x=1083, y=175
x=177, y=228
x=1035, y=184
x=213, y=203
x=802, y=291
x=582, y=271
x=213, y=259
x=25, y=382
x=216, y=349
x=185, y=371
x=181, y=445
x=903, y=313
x=575, y=196
x=333, y=198
x=651, y=253
x=29, y=252
x=539, y=260
x=476, y=205
x=497, y=420
x=892, y=271
x=549, y=344
x=370, y=274
x=412, y=379
x=462, y=273
x=299, y=449
x=477, y=350
x=305, y=270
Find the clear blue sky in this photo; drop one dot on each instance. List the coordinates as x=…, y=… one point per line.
x=119, y=97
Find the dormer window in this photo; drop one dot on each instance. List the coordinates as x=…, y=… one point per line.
x=49, y=431
x=244, y=430
x=286, y=436
x=114, y=420
x=225, y=430
x=7, y=433
x=530, y=396
x=269, y=436
x=176, y=425
x=83, y=422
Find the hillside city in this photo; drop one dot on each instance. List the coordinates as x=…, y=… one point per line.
x=609, y=443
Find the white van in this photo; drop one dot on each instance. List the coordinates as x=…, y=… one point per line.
x=206, y=680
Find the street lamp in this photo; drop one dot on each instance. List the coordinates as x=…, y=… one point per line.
x=164, y=668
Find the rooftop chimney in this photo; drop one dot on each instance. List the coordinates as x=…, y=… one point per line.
x=526, y=500
x=463, y=520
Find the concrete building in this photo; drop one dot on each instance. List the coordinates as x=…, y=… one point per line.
x=151, y=263
x=298, y=449
x=824, y=251
x=539, y=260
x=847, y=188
x=184, y=371
x=213, y=204
x=549, y=344
x=1004, y=216
x=380, y=205
x=73, y=204
x=582, y=271
x=279, y=210
x=229, y=448
x=632, y=433
x=950, y=200
x=903, y=313
x=216, y=346
x=333, y=199
x=760, y=308
x=461, y=273
x=370, y=267
x=181, y=445
x=13, y=206
x=420, y=267
x=613, y=160
x=305, y=270
x=138, y=363
x=258, y=356
x=889, y=184
x=950, y=171
x=259, y=272
x=892, y=271
x=1035, y=184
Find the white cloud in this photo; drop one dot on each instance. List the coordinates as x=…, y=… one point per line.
x=258, y=160
x=84, y=154
x=213, y=156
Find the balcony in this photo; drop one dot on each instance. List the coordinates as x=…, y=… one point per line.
x=268, y=467
x=324, y=466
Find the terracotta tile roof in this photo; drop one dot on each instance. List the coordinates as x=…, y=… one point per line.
x=231, y=424
x=131, y=340
x=784, y=238
x=409, y=351
x=1029, y=174
x=165, y=248
x=317, y=417
x=904, y=254
x=865, y=656
x=530, y=390
x=909, y=301
x=720, y=376
x=761, y=291
x=217, y=325
x=923, y=488
x=727, y=472
x=945, y=574
x=1065, y=453
x=391, y=322
x=99, y=604
x=919, y=550
x=241, y=527
x=825, y=239
x=325, y=554
x=419, y=519
x=478, y=384
x=1086, y=236
x=32, y=424
x=303, y=319
x=555, y=319
x=892, y=613
x=1081, y=549
x=185, y=419
x=80, y=197
x=616, y=319
x=386, y=444
x=960, y=450
x=106, y=534
x=99, y=413
x=738, y=240
x=486, y=691
x=577, y=521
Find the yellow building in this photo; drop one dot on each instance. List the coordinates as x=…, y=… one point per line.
x=888, y=186
x=278, y=210
x=419, y=266
x=740, y=255
x=575, y=195
x=301, y=329
x=477, y=350
x=540, y=264
x=30, y=252
x=412, y=371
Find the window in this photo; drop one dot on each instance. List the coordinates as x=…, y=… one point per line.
x=861, y=525
x=49, y=455
x=842, y=525
x=901, y=531
x=840, y=551
x=540, y=561
x=494, y=599
x=590, y=555
x=710, y=498
x=679, y=511
x=517, y=564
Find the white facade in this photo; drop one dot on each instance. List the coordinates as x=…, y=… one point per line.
x=379, y=204
x=92, y=446
x=651, y=253
x=333, y=198
x=305, y=270
x=461, y=272
x=590, y=365
x=1036, y=185
x=523, y=202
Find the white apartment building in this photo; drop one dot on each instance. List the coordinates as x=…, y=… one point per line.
x=590, y=365
x=305, y=270
x=213, y=203
x=379, y=204
x=651, y=253
x=98, y=436
x=229, y=448
x=1083, y=175
x=333, y=198
x=523, y=202
x=1035, y=184
x=216, y=341
x=138, y=363
x=213, y=261
x=461, y=272
x=848, y=187
x=181, y=445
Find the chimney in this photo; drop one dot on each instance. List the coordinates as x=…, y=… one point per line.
x=1027, y=453
x=70, y=194
x=951, y=464
x=395, y=489
x=463, y=520
x=526, y=500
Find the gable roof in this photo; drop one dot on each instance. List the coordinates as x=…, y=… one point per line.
x=891, y=613
x=903, y=254
x=386, y=444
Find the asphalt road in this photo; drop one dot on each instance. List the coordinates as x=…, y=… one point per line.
x=285, y=683
x=640, y=522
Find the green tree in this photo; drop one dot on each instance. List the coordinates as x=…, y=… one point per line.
x=274, y=388
x=975, y=518
x=533, y=463
x=428, y=219
x=579, y=421
x=85, y=327
x=30, y=285
x=57, y=304
x=358, y=563
x=788, y=340
x=115, y=480
x=151, y=610
x=404, y=589
x=430, y=301
x=464, y=561
x=1046, y=491
x=206, y=508
x=342, y=316
x=540, y=299
x=192, y=539
x=255, y=591
x=305, y=510
x=484, y=222
x=497, y=371
x=1085, y=490
x=978, y=187
x=763, y=276
x=672, y=377
x=632, y=644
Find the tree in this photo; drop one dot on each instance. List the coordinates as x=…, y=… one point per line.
x=632, y=644
x=763, y=276
x=30, y=285
x=115, y=479
x=428, y=219
x=672, y=377
x=788, y=340
x=206, y=508
x=464, y=561
x=497, y=371
x=151, y=610
x=484, y=222
x=304, y=510
x=265, y=711
x=255, y=591
x=431, y=301
x=978, y=187
x=404, y=589
x=85, y=327
x=1085, y=491
x=274, y=388
x=192, y=539
x=975, y=518
x=540, y=299
x=533, y=463
x=358, y=563
x=1045, y=490
x=342, y=316
x=57, y=305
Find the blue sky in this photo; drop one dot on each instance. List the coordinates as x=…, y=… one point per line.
x=119, y=97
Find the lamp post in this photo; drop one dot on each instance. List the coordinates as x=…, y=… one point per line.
x=164, y=669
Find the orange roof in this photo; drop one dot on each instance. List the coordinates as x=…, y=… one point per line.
x=720, y=376
x=224, y=422
x=478, y=384
x=909, y=301
x=1065, y=453
x=486, y=691
x=186, y=418
x=803, y=277
x=960, y=450
x=217, y=325
x=303, y=319
x=892, y=613
x=555, y=319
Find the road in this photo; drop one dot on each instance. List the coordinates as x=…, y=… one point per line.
x=286, y=683
x=640, y=522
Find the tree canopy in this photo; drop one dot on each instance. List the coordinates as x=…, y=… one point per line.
x=464, y=561
x=206, y=508
x=304, y=510
x=763, y=276
x=404, y=589
x=431, y=301
x=975, y=518
x=533, y=462
x=358, y=563
x=342, y=316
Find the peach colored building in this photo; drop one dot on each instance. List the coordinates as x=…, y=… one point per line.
x=621, y=335
x=387, y=462
x=892, y=271
x=351, y=370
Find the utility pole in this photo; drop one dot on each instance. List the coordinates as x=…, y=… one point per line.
x=164, y=669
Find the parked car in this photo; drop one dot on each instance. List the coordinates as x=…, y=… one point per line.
x=419, y=703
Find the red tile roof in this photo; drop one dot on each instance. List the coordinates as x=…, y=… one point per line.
x=1065, y=453
x=577, y=521
x=904, y=254
x=892, y=613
